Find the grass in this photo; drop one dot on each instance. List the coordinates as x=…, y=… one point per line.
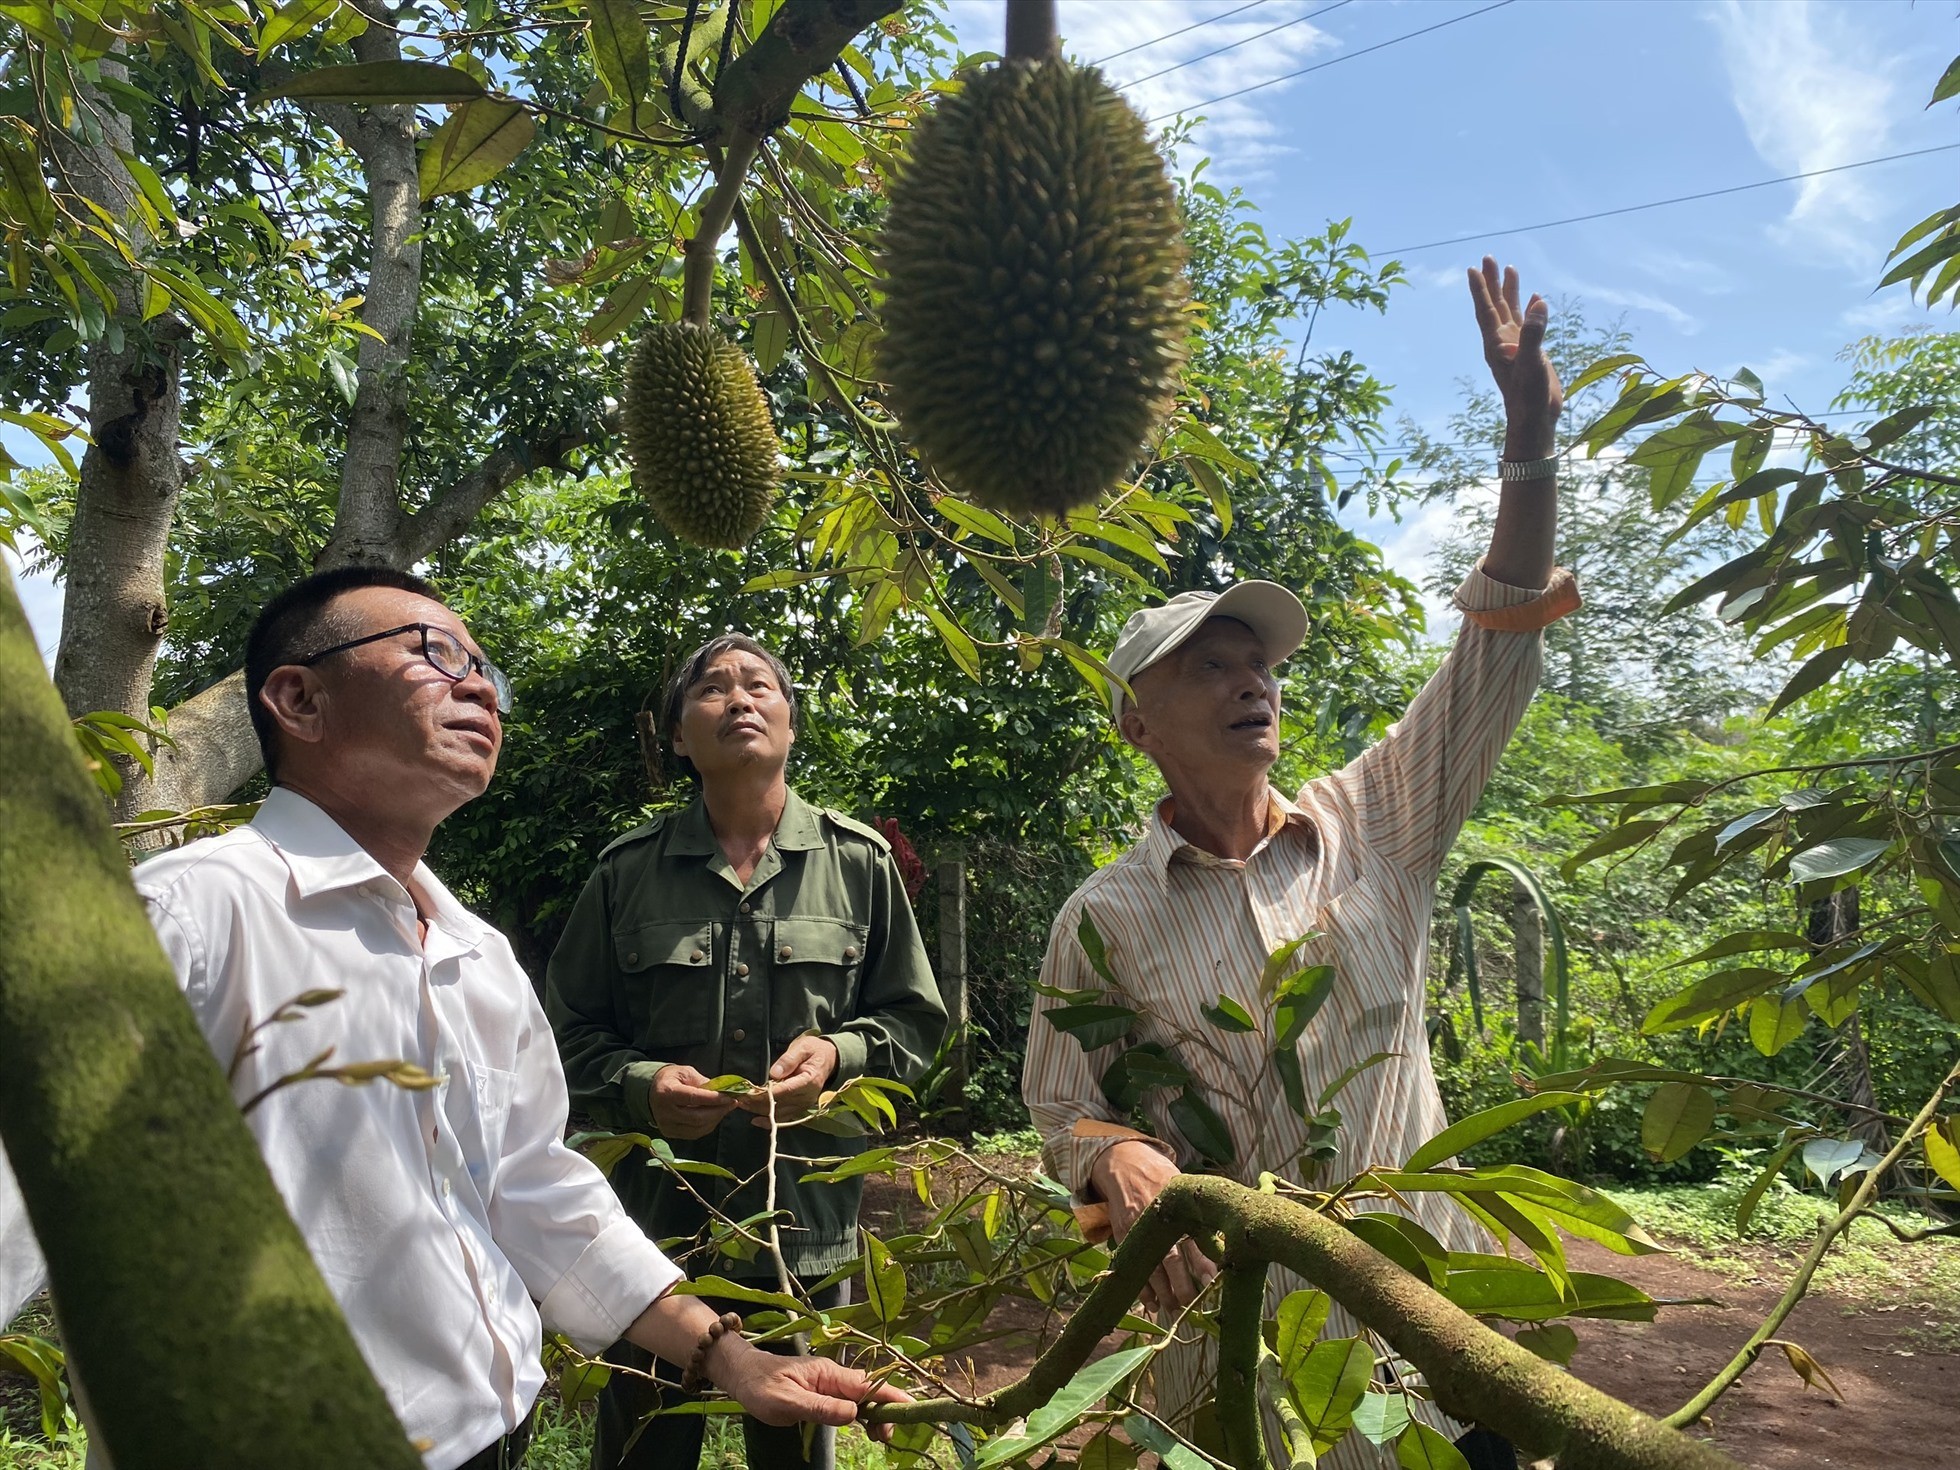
x=1869, y=1269
x=35, y=1453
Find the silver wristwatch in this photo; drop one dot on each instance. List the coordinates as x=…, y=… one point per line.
x=1509, y=470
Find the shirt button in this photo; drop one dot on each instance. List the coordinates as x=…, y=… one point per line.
x=741, y=969
x=696, y=957
x=738, y=1034
x=445, y=1189
x=850, y=951
x=783, y=953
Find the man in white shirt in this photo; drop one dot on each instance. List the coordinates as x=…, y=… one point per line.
x=449, y=1219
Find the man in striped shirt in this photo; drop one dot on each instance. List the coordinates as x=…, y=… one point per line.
x=1230, y=870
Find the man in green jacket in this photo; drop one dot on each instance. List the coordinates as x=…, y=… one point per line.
x=750, y=934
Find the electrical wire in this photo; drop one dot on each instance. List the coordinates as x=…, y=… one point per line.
x=1233, y=46
x=1577, y=219
x=1196, y=25
x=1332, y=61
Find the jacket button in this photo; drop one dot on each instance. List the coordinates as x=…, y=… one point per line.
x=741, y=969
x=783, y=953
x=850, y=951
x=696, y=957
x=633, y=958
x=738, y=1034
x=745, y=905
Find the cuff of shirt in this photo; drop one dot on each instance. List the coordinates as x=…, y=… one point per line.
x=636, y=1091
x=1497, y=605
x=616, y=1278
x=853, y=1052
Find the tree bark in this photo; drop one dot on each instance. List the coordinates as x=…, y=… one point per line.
x=115, y=608
x=1528, y=929
x=189, y=1302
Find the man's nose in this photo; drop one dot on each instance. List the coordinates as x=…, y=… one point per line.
x=476, y=687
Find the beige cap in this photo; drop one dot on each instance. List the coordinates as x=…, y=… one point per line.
x=1267, y=608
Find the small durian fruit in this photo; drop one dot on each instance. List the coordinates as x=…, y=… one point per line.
x=1035, y=300
x=698, y=431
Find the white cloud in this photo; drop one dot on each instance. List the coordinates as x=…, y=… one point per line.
x=1241, y=130
x=1779, y=363
x=1632, y=300
x=1812, y=95
x=1682, y=272
x=1886, y=315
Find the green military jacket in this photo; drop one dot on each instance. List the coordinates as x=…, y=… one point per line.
x=667, y=958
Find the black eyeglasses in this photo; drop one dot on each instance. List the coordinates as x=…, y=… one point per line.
x=443, y=652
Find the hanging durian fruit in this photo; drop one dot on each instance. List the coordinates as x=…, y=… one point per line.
x=697, y=426
x=1035, y=301
x=698, y=429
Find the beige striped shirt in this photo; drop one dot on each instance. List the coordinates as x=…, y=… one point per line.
x=1355, y=858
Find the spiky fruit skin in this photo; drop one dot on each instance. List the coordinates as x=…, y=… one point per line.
x=1035, y=300
x=698, y=430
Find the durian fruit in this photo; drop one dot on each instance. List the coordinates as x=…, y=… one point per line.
x=1035, y=300
x=698, y=431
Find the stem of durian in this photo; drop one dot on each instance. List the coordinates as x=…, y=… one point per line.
x=1031, y=30
x=698, y=280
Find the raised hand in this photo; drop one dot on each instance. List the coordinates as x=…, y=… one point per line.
x=1514, y=346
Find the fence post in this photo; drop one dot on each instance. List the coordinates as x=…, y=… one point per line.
x=952, y=975
x=1528, y=925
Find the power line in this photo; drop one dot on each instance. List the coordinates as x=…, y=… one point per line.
x=1333, y=61
x=1196, y=25
x=1233, y=46
x=1677, y=199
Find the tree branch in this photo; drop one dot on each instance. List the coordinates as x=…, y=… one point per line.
x=804, y=39
x=451, y=511
x=1241, y=1309
x=1475, y=1374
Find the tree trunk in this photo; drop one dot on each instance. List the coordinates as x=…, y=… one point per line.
x=1845, y=1059
x=188, y=1300
x=115, y=609
x=1528, y=927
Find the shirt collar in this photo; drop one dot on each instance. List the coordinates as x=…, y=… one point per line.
x=796, y=830
x=322, y=858
x=1162, y=845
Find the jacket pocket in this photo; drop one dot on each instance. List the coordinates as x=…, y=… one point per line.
x=671, y=988
x=815, y=965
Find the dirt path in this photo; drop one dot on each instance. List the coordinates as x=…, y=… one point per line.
x=1900, y=1386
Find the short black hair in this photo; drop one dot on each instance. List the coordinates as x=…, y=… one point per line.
x=297, y=624
x=690, y=673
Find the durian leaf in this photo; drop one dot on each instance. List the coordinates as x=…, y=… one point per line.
x=974, y=519
x=475, y=145
x=381, y=81
x=292, y=21
x=771, y=337
x=957, y=642
x=619, y=49
x=1213, y=484
x=621, y=308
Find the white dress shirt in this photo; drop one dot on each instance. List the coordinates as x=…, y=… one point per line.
x=438, y=1217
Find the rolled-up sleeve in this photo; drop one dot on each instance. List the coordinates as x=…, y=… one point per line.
x=591, y=1270
x=1414, y=788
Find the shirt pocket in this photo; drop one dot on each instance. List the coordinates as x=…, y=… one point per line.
x=670, y=987
x=815, y=966
x=495, y=1090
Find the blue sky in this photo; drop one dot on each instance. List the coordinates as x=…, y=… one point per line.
x=1541, y=109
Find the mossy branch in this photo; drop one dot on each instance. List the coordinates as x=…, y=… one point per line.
x=206, y=1336
x=803, y=40
x=1241, y=1310
x=698, y=280
x=1475, y=1374
x=1827, y=1233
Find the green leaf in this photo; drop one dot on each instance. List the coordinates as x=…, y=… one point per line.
x=1275, y=968
x=1710, y=996
x=1229, y=1015
x=1678, y=1117
x=1817, y=671
x=771, y=338
x=1555, y=1342
x=380, y=81
x=20, y=173
x=1174, y=1452
x=1105, y=1451
x=1942, y=1143
x=1474, y=1129
x=1380, y=1417
x=1422, y=1448
x=872, y=1161
x=1404, y=1242
x=983, y=523
x=1330, y=1383
x=293, y=20
x=1666, y=793
x=1334, y=1089
x=884, y=1280
x=619, y=49
x=1775, y=1022
x=1090, y=938
x=622, y=307
x=605, y=1150
x=1604, y=368
x=1301, y=995
x=737, y=1291
x=1614, y=839
x=1515, y=1293
x=1836, y=857
x=1085, y=1391
x=1216, y=490
x=1202, y=1128
x=1094, y=1025
x=1752, y=1196
x=958, y=642
x=1300, y=1317
x=1949, y=82
x=475, y=145
x=1745, y=941
x=1139, y=1071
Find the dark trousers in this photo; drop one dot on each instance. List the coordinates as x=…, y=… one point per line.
x=508, y=1452
x=1487, y=1451
x=673, y=1441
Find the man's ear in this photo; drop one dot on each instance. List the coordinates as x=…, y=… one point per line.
x=1130, y=725
x=296, y=699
